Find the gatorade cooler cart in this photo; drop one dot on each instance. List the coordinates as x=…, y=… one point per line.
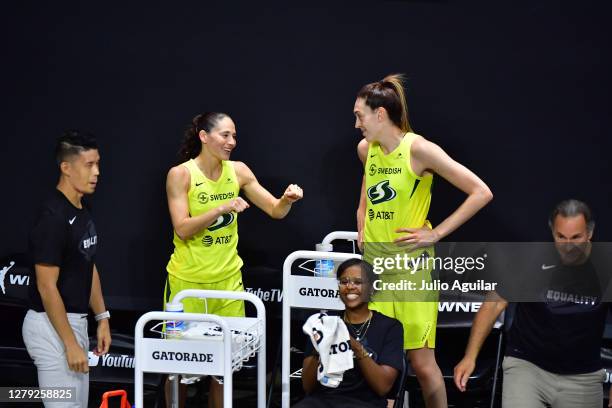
x=212, y=345
x=308, y=292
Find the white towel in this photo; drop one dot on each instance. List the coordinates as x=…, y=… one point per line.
x=341, y=353
x=244, y=342
x=330, y=338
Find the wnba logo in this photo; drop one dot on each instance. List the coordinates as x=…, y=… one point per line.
x=207, y=241
x=371, y=214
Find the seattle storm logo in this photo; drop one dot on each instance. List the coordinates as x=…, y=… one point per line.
x=381, y=192
x=223, y=221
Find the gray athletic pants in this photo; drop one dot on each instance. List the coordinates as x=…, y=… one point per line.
x=47, y=350
x=528, y=386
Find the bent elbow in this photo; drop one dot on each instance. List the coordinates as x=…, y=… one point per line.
x=489, y=194
x=500, y=306
x=277, y=213
x=383, y=392
x=486, y=194
x=308, y=388
x=383, y=388
x=181, y=234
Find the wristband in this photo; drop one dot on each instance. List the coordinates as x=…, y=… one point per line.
x=102, y=316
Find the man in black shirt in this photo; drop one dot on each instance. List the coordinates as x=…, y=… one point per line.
x=63, y=245
x=553, y=347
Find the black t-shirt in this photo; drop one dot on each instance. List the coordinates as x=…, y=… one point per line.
x=384, y=341
x=562, y=333
x=64, y=236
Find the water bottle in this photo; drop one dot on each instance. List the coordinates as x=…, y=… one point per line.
x=324, y=267
x=174, y=328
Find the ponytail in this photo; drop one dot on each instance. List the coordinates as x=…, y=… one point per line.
x=191, y=145
x=397, y=82
x=389, y=94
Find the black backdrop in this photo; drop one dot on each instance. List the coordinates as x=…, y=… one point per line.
x=517, y=91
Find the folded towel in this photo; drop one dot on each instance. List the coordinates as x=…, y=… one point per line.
x=330, y=338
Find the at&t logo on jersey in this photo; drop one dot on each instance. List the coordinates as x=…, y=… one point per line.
x=207, y=240
x=381, y=192
x=381, y=215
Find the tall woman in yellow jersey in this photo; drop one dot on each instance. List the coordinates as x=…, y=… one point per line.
x=395, y=197
x=204, y=206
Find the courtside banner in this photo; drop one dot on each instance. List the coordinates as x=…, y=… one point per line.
x=182, y=356
x=15, y=276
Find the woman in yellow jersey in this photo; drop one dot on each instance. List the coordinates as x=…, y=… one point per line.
x=204, y=206
x=395, y=197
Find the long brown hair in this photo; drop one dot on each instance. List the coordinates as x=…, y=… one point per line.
x=389, y=94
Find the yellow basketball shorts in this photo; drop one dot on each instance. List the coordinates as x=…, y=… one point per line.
x=419, y=320
x=416, y=310
x=219, y=307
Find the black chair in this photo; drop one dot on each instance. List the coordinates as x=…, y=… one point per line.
x=398, y=390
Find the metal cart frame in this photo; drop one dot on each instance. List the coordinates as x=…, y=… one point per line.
x=198, y=357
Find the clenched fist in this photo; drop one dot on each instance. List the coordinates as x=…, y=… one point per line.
x=293, y=193
x=236, y=205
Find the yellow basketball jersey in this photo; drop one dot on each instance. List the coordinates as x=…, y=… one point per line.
x=211, y=255
x=396, y=197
